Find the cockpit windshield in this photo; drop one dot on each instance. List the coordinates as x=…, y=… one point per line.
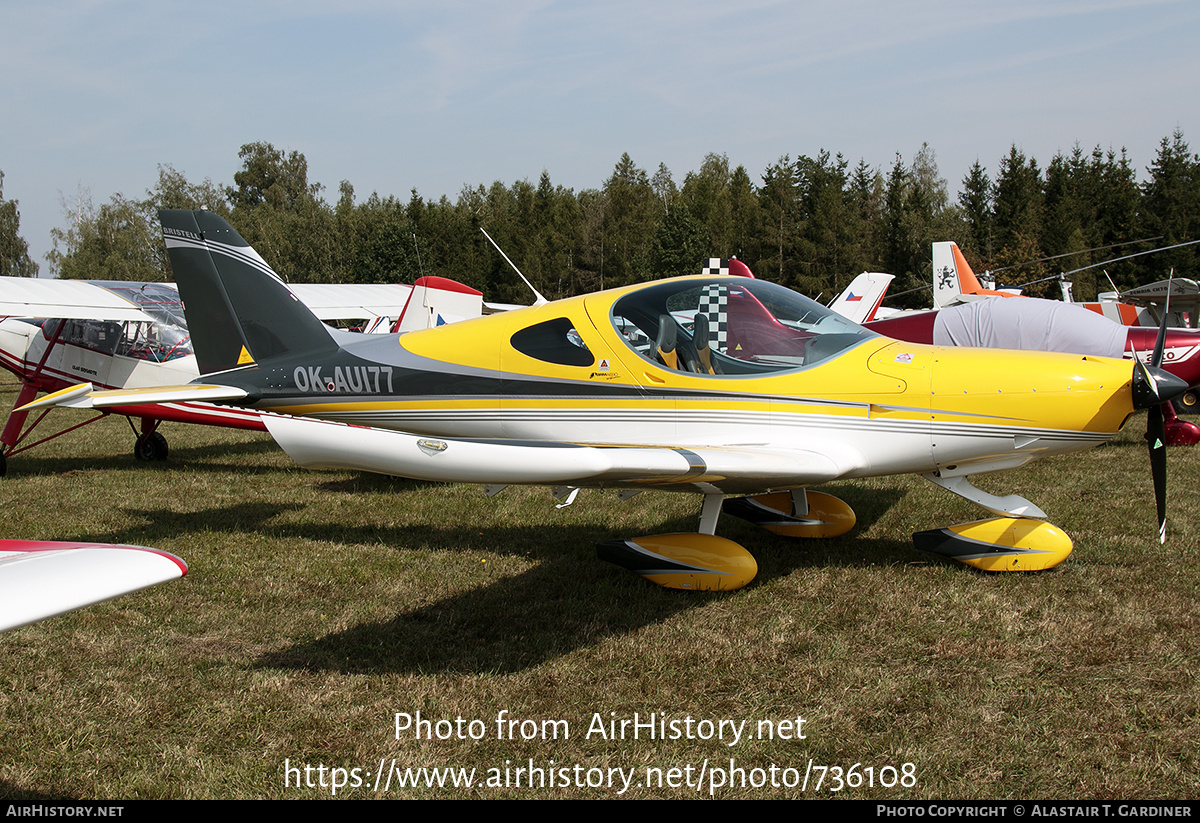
x=731, y=326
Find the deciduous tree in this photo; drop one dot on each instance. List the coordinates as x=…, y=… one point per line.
x=14, y=251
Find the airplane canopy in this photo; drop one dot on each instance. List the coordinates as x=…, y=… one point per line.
x=731, y=326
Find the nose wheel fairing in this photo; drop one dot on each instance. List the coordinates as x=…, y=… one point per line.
x=999, y=544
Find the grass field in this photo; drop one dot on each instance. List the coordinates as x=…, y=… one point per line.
x=320, y=604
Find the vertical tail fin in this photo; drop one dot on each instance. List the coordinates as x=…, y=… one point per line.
x=862, y=297
x=952, y=276
x=238, y=310
x=435, y=301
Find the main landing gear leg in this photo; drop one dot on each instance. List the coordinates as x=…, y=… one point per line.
x=697, y=562
x=12, y=427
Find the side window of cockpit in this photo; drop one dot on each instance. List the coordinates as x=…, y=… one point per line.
x=554, y=341
x=97, y=335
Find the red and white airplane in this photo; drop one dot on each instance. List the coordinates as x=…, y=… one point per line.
x=55, y=333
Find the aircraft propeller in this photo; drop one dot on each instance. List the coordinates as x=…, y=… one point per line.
x=1152, y=387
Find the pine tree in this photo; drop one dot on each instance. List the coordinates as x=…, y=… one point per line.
x=1018, y=209
x=975, y=199
x=1171, y=203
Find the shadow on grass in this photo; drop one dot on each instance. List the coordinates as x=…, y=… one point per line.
x=559, y=606
x=368, y=482
x=8, y=791
x=166, y=524
x=568, y=600
x=210, y=457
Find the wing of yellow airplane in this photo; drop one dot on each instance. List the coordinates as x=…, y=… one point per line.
x=319, y=444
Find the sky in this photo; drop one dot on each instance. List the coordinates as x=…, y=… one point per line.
x=392, y=96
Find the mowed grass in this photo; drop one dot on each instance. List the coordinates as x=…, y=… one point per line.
x=319, y=604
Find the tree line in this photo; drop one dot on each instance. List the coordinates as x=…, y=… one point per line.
x=810, y=223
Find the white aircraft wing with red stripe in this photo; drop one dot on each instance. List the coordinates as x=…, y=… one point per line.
x=41, y=579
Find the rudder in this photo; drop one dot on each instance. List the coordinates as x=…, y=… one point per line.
x=238, y=310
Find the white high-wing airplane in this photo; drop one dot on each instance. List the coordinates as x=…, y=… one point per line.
x=715, y=385
x=54, y=333
x=1143, y=305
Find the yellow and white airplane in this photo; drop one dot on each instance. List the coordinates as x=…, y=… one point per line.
x=716, y=384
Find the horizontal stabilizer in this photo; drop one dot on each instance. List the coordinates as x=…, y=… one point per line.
x=41, y=579
x=84, y=397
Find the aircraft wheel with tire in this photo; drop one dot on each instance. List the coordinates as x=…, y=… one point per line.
x=1188, y=401
x=3, y=464
x=151, y=446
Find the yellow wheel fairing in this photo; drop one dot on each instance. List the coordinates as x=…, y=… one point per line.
x=999, y=544
x=695, y=562
x=827, y=516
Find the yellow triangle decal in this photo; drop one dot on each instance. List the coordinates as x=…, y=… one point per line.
x=244, y=357
x=739, y=347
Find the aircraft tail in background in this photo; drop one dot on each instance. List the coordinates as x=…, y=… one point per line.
x=953, y=280
x=862, y=297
